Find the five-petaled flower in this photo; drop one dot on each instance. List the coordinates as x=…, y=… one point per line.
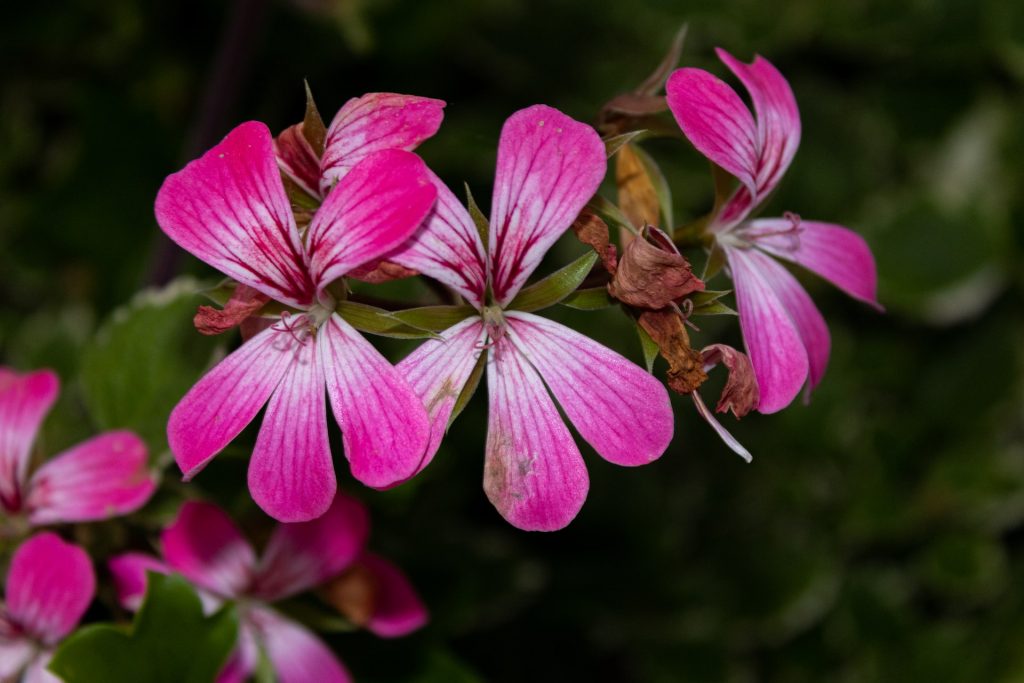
x=99, y=478
x=50, y=584
x=549, y=166
x=205, y=546
x=229, y=209
x=786, y=337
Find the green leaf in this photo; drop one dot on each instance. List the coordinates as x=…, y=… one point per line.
x=713, y=308
x=479, y=219
x=707, y=296
x=171, y=641
x=661, y=188
x=434, y=318
x=469, y=388
x=366, y=318
x=590, y=299
x=649, y=348
x=656, y=80
x=313, y=128
x=616, y=142
x=143, y=360
x=610, y=213
x=716, y=259
x=556, y=286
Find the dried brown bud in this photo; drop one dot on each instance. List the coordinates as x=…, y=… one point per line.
x=652, y=276
x=376, y=272
x=593, y=231
x=353, y=594
x=668, y=330
x=244, y=302
x=740, y=394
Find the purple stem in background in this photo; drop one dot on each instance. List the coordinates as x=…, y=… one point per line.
x=230, y=68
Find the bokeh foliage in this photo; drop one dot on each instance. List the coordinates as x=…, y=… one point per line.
x=879, y=533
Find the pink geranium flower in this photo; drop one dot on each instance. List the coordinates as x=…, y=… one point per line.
x=229, y=209
x=50, y=584
x=99, y=478
x=205, y=546
x=786, y=337
x=549, y=166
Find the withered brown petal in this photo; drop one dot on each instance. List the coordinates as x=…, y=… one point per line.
x=668, y=330
x=243, y=303
x=353, y=594
x=376, y=272
x=650, y=277
x=740, y=394
x=593, y=232
x=637, y=197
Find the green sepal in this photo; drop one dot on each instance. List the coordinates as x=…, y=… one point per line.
x=469, y=388
x=590, y=299
x=434, y=318
x=313, y=128
x=555, y=287
x=611, y=214
x=373, y=320
x=656, y=80
x=616, y=142
x=713, y=308
x=649, y=347
x=661, y=187
x=479, y=219
x=715, y=262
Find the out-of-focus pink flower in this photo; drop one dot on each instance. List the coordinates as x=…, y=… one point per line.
x=786, y=338
x=99, y=478
x=206, y=547
x=229, y=209
x=549, y=166
x=50, y=584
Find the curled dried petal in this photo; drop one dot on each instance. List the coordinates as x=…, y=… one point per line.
x=668, y=330
x=353, y=593
x=593, y=232
x=740, y=394
x=244, y=302
x=652, y=277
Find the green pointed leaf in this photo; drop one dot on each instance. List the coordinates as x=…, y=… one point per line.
x=661, y=188
x=479, y=219
x=143, y=359
x=556, y=286
x=616, y=142
x=654, y=83
x=649, y=347
x=469, y=388
x=713, y=308
x=707, y=296
x=715, y=262
x=590, y=299
x=611, y=214
x=373, y=320
x=171, y=641
x=434, y=318
x=313, y=128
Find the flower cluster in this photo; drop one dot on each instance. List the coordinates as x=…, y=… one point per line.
x=293, y=221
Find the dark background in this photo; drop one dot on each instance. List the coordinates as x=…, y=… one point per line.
x=879, y=533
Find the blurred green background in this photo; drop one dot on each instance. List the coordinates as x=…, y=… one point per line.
x=879, y=533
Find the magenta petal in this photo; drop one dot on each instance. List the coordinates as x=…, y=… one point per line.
x=129, y=573
x=549, y=166
x=384, y=426
x=621, y=410
x=36, y=672
x=534, y=473
x=374, y=208
x=447, y=247
x=773, y=343
x=229, y=209
x=778, y=119
x=833, y=252
x=50, y=584
x=295, y=653
x=375, y=122
x=438, y=370
x=15, y=653
x=227, y=398
x=804, y=314
x=244, y=659
x=205, y=546
x=291, y=475
x=397, y=609
x=105, y=476
x=24, y=402
x=715, y=121
x=722, y=432
x=301, y=556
